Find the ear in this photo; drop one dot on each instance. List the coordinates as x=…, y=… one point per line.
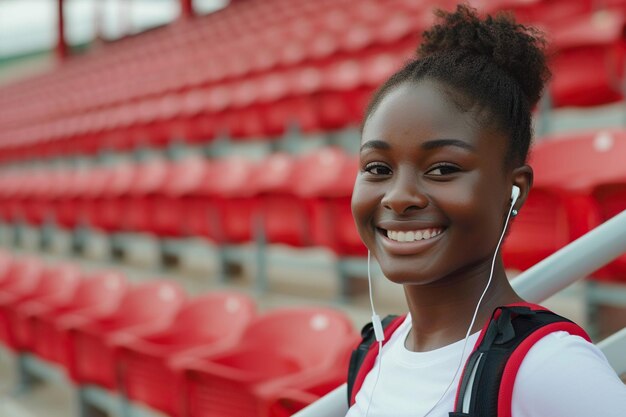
x=523, y=178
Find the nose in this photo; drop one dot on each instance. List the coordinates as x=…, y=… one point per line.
x=404, y=194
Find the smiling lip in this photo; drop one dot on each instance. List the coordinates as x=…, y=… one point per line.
x=395, y=247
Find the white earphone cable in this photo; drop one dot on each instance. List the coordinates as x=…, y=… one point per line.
x=380, y=342
x=469, y=329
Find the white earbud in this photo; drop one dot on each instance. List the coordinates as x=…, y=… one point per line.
x=514, y=194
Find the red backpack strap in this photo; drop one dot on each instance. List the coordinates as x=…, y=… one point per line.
x=364, y=356
x=505, y=395
x=497, y=356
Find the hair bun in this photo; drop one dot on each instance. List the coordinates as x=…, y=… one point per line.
x=516, y=49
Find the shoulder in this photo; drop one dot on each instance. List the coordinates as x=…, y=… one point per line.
x=564, y=375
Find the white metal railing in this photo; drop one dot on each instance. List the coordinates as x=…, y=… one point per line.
x=571, y=263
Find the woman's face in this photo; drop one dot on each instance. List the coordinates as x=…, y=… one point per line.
x=432, y=194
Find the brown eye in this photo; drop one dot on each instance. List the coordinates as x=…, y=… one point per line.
x=377, y=169
x=443, y=169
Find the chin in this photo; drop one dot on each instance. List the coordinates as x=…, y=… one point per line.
x=399, y=275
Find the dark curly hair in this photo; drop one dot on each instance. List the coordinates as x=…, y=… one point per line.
x=493, y=63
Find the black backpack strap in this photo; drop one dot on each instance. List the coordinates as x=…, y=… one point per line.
x=364, y=349
x=485, y=387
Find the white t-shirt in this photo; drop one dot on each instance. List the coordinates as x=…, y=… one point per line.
x=561, y=376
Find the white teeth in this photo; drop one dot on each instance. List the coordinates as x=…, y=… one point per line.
x=411, y=236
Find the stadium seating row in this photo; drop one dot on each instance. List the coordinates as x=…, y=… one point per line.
x=208, y=355
x=304, y=201
x=300, y=201
x=157, y=87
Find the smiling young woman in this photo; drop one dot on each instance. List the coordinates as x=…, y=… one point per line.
x=429, y=172
x=444, y=141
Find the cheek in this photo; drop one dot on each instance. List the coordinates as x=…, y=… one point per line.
x=463, y=200
x=474, y=213
x=364, y=203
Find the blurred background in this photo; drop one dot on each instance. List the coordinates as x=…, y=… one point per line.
x=175, y=177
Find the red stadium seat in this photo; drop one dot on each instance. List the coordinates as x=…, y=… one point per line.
x=588, y=67
x=94, y=195
x=561, y=207
x=306, y=201
x=7, y=263
x=56, y=283
x=66, y=204
x=325, y=181
x=10, y=207
x=19, y=192
x=278, y=350
x=98, y=295
x=147, y=308
x=233, y=192
x=200, y=126
x=21, y=278
x=81, y=184
x=537, y=12
x=37, y=208
x=213, y=320
x=169, y=208
x=544, y=225
x=190, y=205
x=292, y=111
x=110, y=210
x=286, y=402
x=284, y=214
x=65, y=279
x=611, y=200
x=145, y=196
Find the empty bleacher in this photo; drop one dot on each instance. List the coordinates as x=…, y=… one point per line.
x=226, y=144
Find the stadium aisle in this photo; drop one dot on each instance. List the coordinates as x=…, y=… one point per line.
x=50, y=400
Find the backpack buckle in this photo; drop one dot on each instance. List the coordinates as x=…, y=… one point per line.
x=500, y=329
x=504, y=323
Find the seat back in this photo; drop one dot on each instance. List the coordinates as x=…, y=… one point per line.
x=150, y=301
x=345, y=238
x=308, y=336
x=611, y=200
x=100, y=288
x=213, y=316
x=233, y=189
x=111, y=213
x=287, y=401
x=23, y=276
x=6, y=264
x=325, y=180
x=588, y=63
x=326, y=172
x=59, y=280
x=150, y=181
x=543, y=215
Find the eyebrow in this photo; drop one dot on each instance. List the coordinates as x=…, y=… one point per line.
x=375, y=144
x=439, y=143
x=429, y=145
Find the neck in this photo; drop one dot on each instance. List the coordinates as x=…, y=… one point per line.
x=441, y=312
